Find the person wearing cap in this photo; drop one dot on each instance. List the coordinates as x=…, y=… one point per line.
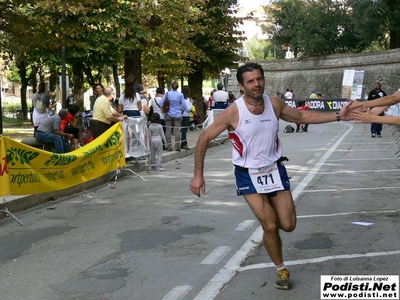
x=313, y=94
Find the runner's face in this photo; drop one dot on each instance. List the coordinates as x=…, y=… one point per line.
x=253, y=84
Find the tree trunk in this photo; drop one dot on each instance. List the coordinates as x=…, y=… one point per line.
x=133, y=64
x=116, y=81
x=53, y=80
x=195, y=80
x=22, y=70
x=89, y=76
x=161, y=79
x=77, y=69
x=394, y=39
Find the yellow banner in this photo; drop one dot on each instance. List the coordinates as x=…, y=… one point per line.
x=28, y=170
x=4, y=174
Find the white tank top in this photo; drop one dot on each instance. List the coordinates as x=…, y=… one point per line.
x=255, y=140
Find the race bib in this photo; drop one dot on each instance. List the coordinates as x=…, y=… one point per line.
x=266, y=179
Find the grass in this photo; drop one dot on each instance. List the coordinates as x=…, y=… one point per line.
x=9, y=120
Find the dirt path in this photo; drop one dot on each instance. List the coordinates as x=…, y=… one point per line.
x=17, y=132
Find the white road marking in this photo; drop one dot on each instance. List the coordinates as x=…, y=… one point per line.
x=349, y=213
x=355, y=172
x=353, y=189
x=217, y=283
x=307, y=179
x=369, y=159
x=178, y=292
x=216, y=256
x=321, y=259
x=245, y=225
x=294, y=178
x=370, y=144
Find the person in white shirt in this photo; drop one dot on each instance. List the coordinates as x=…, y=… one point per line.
x=186, y=117
x=288, y=94
x=129, y=103
x=220, y=97
x=252, y=122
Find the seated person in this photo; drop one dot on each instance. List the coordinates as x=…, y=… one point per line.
x=68, y=125
x=49, y=131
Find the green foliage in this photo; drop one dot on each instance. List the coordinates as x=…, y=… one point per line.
x=216, y=34
x=319, y=28
x=264, y=50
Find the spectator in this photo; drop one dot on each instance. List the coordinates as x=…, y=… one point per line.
x=157, y=137
x=220, y=97
x=288, y=94
x=231, y=98
x=376, y=93
x=49, y=131
x=69, y=124
x=145, y=105
x=52, y=104
x=204, y=105
x=130, y=103
x=210, y=99
x=97, y=92
x=293, y=95
x=313, y=95
x=186, y=117
x=102, y=114
x=173, y=117
x=39, y=105
x=156, y=105
x=301, y=105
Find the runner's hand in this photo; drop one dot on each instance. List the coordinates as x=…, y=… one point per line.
x=198, y=185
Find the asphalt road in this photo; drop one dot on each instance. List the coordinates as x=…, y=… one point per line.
x=153, y=239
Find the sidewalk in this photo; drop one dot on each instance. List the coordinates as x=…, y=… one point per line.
x=20, y=203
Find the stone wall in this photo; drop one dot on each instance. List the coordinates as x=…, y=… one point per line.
x=325, y=75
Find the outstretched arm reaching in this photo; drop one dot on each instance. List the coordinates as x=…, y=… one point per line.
x=379, y=104
x=367, y=117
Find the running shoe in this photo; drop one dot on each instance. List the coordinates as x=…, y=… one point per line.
x=283, y=282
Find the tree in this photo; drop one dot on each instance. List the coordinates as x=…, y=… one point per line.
x=354, y=25
x=377, y=20
x=262, y=49
x=167, y=38
x=219, y=40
